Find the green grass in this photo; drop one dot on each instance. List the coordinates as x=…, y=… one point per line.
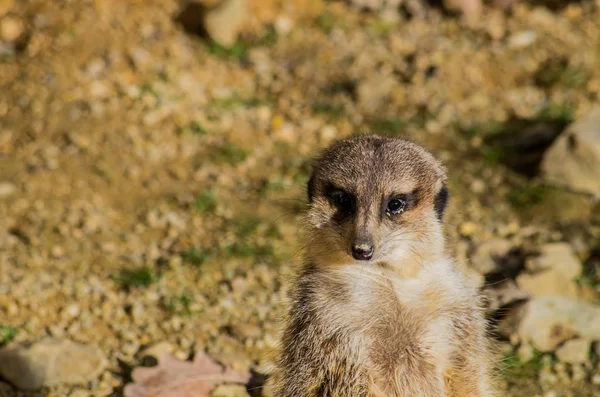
x=236, y=100
x=326, y=22
x=228, y=153
x=239, y=49
x=558, y=72
x=193, y=128
x=245, y=226
x=7, y=333
x=245, y=249
x=490, y=155
x=206, y=202
x=181, y=304
x=246, y=230
x=481, y=129
x=386, y=126
x=515, y=367
x=335, y=111
x=138, y=277
x=557, y=112
x=381, y=27
x=527, y=196
x=197, y=256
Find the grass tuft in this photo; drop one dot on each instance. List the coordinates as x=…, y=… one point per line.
x=7, y=333
x=139, y=277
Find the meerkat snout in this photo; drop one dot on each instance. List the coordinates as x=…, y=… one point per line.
x=373, y=198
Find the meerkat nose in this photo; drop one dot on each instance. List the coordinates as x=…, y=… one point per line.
x=362, y=252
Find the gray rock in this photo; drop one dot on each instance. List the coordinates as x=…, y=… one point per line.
x=573, y=160
x=50, y=362
x=487, y=257
x=574, y=351
x=549, y=321
x=223, y=22
x=552, y=273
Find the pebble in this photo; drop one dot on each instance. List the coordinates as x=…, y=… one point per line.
x=552, y=273
x=11, y=29
x=157, y=350
x=50, y=362
x=467, y=229
x=522, y=40
x=224, y=22
x=7, y=189
x=574, y=351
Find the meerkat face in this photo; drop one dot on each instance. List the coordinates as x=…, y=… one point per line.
x=375, y=199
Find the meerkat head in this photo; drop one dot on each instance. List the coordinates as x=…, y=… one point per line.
x=375, y=200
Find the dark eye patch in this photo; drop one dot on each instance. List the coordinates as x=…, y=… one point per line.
x=341, y=199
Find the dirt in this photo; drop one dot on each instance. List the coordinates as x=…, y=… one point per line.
x=154, y=182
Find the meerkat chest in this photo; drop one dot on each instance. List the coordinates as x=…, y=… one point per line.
x=427, y=306
x=398, y=314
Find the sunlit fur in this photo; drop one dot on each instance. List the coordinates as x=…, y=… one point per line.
x=405, y=323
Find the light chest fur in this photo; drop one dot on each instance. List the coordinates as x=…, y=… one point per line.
x=393, y=323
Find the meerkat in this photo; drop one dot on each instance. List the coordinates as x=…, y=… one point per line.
x=378, y=307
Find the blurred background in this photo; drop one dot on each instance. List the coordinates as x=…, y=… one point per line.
x=154, y=155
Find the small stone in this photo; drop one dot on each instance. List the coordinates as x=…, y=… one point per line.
x=283, y=25
x=248, y=331
x=596, y=379
x=552, y=273
x=223, y=22
x=157, y=350
x=50, y=362
x=7, y=189
x=549, y=321
x=140, y=58
x=467, y=229
x=522, y=39
x=11, y=29
x=70, y=311
x=99, y=89
x=573, y=160
x=525, y=352
x=478, y=186
x=488, y=256
x=230, y=391
x=57, y=251
x=547, y=378
x=95, y=67
x=574, y=351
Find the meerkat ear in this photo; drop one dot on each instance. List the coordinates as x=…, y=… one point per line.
x=311, y=188
x=441, y=200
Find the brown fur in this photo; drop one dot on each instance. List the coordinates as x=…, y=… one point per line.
x=405, y=323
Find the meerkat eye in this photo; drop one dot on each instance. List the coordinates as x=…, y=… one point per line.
x=395, y=206
x=342, y=200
